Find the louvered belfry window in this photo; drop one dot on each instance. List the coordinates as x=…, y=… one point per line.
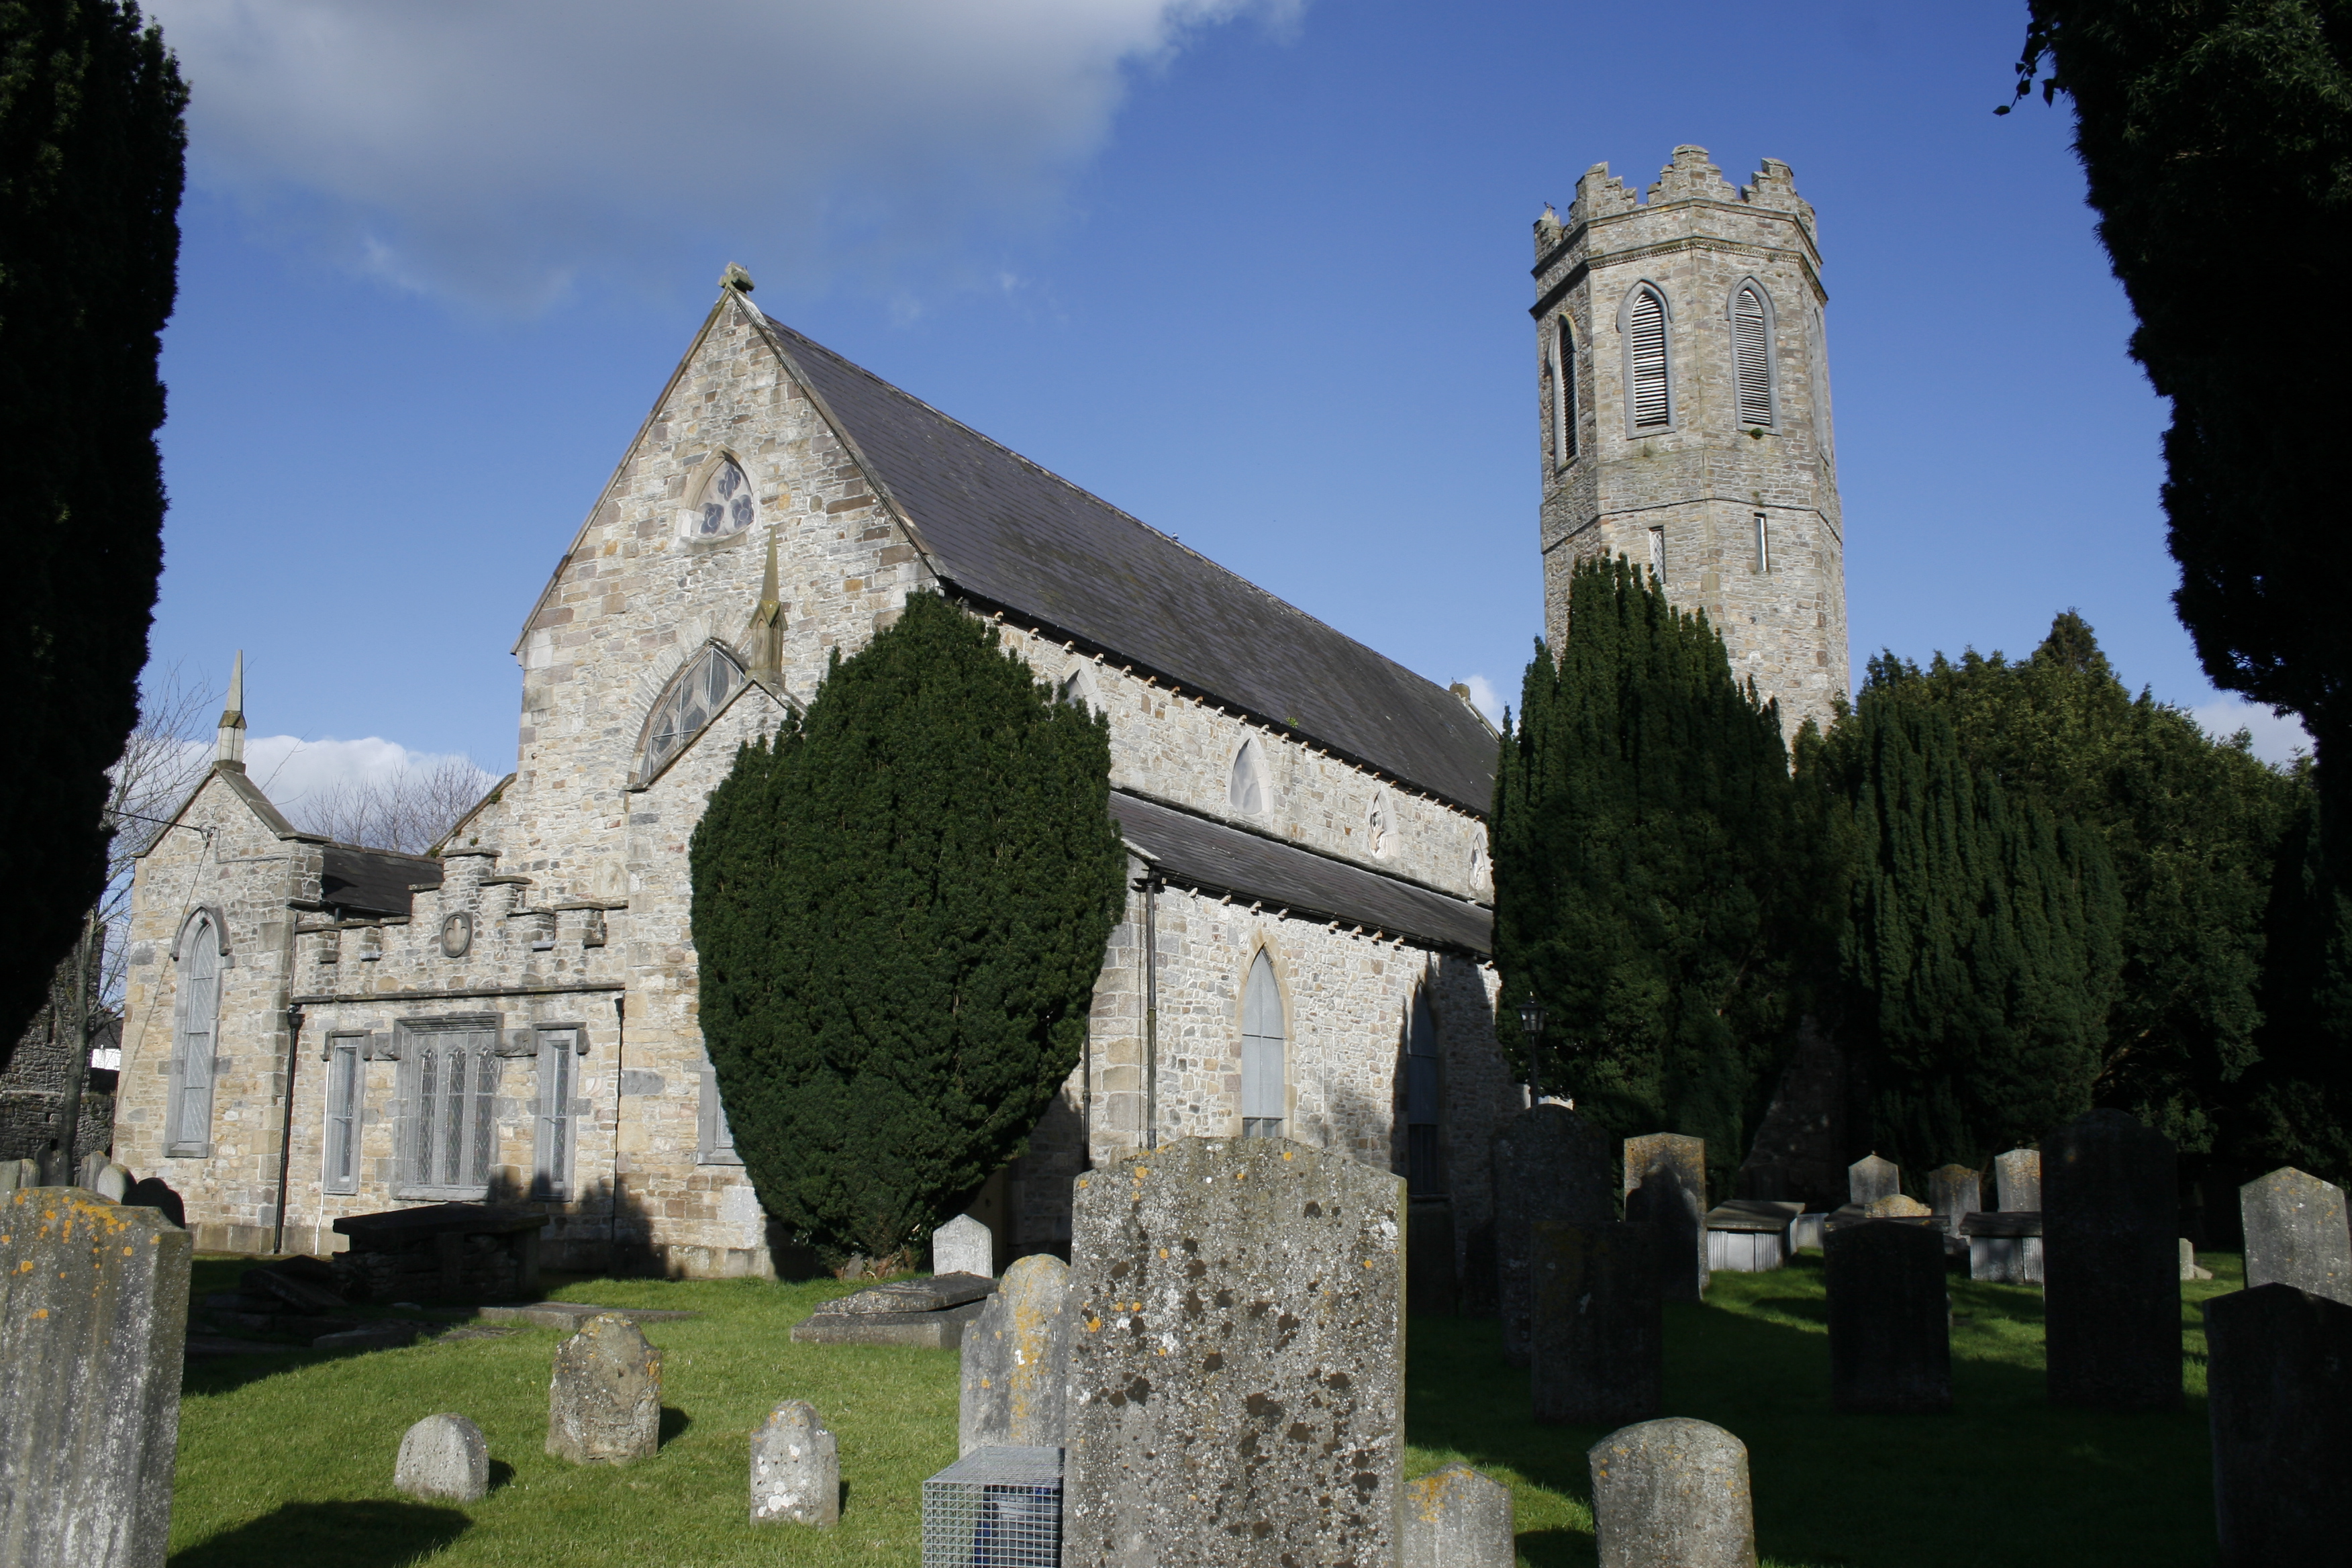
x=1751, y=356
x=1563, y=383
x=1645, y=343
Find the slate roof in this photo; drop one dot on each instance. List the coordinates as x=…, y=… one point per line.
x=1222, y=859
x=1001, y=529
x=373, y=881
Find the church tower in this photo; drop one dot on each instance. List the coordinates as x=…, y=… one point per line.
x=1685, y=414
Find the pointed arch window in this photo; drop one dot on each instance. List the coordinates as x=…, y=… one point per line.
x=195, y=1027
x=693, y=698
x=1423, y=1098
x=1263, y=1042
x=1380, y=824
x=1078, y=689
x=724, y=505
x=1247, y=787
x=1649, y=363
x=1751, y=356
x=1563, y=393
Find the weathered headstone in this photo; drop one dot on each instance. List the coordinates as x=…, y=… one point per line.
x=1954, y=1192
x=2111, y=1264
x=2189, y=1267
x=2017, y=1179
x=964, y=1246
x=2279, y=1398
x=1476, y=1294
x=2295, y=1234
x=1890, y=1323
x=1237, y=1359
x=1016, y=1361
x=603, y=1404
x=93, y=1320
x=444, y=1456
x=1666, y=1186
x=18, y=1174
x=1672, y=1494
x=1871, y=1178
x=796, y=1468
x=1599, y=1346
x=1457, y=1518
x=1548, y=1163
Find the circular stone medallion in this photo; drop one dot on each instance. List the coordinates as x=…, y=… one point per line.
x=457, y=934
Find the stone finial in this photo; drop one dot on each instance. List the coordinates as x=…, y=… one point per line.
x=1457, y=1518
x=766, y=636
x=1547, y=230
x=736, y=280
x=603, y=1404
x=1672, y=1493
x=796, y=1468
x=444, y=1456
x=230, y=751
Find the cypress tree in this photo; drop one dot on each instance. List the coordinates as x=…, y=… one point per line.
x=900, y=907
x=92, y=156
x=1982, y=944
x=1656, y=882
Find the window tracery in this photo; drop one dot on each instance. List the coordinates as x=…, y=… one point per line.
x=726, y=506
x=691, y=702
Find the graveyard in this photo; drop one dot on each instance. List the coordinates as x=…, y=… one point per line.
x=288, y=1458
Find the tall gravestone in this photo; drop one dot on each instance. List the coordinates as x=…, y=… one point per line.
x=1672, y=1493
x=2296, y=1234
x=1549, y=1165
x=1457, y=1518
x=2017, y=1180
x=2279, y=1400
x=963, y=1245
x=1870, y=1178
x=2111, y=1264
x=1954, y=1192
x=1890, y=1323
x=93, y=1323
x=1599, y=1346
x=1666, y=1187
x=1236, y=1361
x=1016, y=1361
x=603, y=1404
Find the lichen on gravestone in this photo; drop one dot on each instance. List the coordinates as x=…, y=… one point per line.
x=2296, y=1234
x=1672, y=1493
x=1457, y=1518
x=604, y=1403
x=796, y=1468
x=444, y=1456
x=1016, y=1361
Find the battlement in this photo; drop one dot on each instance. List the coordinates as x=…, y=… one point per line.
x=1690, y=176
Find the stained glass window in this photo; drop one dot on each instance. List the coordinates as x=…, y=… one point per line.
x=726, y=506
x=694, y=698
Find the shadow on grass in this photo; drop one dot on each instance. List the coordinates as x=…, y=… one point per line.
x=674, y=1422
x=356, y=1535
x=500, y=1474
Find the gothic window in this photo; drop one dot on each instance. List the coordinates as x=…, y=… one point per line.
x=1649, y=369
x=553, y=1144
x=718, y=1140
x=1380, y=828
x=1563, y=394
x=692, y=699
x=195, y=1024
x=1247, y=787
x=1262, y=1052
x=1423, y=1085
x=1078, y=689
x=345, y=1078
x=1752, y=356
x=725, y=507
x=449, y=1108
x=1658, y=555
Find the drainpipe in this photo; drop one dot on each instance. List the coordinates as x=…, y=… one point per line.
x=286, y=1134
x=1151, y=1011
x=620, y=1053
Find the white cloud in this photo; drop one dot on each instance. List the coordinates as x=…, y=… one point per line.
x=2277, y=737
x=295, y=773
x=505, y=151
x=1486, y=698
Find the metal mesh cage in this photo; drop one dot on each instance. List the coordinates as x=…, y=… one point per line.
x=995, y=1508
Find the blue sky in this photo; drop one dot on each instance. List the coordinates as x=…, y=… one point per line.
x=1256, y=272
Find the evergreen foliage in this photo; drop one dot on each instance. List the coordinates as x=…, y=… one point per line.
x=1982, y=940
x=900, y=907
x=91, y=157
x=1657, y=875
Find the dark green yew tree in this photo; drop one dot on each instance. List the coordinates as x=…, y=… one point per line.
x=900, y=907
x=91, y=156
x=1657, y=876
x=1982, y=945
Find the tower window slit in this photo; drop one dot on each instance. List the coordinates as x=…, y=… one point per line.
x=1763, y=543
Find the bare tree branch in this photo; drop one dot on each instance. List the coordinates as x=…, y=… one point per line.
x=408, y=810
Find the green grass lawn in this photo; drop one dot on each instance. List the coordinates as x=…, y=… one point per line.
x=288, y=1458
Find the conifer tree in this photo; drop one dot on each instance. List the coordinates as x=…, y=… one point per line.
x=1981, y=946
x=91, y=160
x=1657, y=883
x=900, y=907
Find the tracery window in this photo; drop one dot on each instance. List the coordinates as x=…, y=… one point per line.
x=450, y=1100
x=726, y=505
x=1649, y=370
x=1262, y=1052
x=345, y=1079
x=694, y=697
x=1751, y=356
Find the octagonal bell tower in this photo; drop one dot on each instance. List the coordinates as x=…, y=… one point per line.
x=1685, y=414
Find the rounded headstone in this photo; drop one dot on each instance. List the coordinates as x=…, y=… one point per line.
x=1457, y=1518
x=603, y=1404
x=1672, y=1494
x=1016, y=1359
x=1894, y=1205
x=796, y=1468
x=444, y=1456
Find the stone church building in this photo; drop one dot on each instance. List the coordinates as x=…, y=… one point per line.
x=314, y=1030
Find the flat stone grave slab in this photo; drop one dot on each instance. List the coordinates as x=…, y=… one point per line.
x=927, y=1314
x=572, y=1314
